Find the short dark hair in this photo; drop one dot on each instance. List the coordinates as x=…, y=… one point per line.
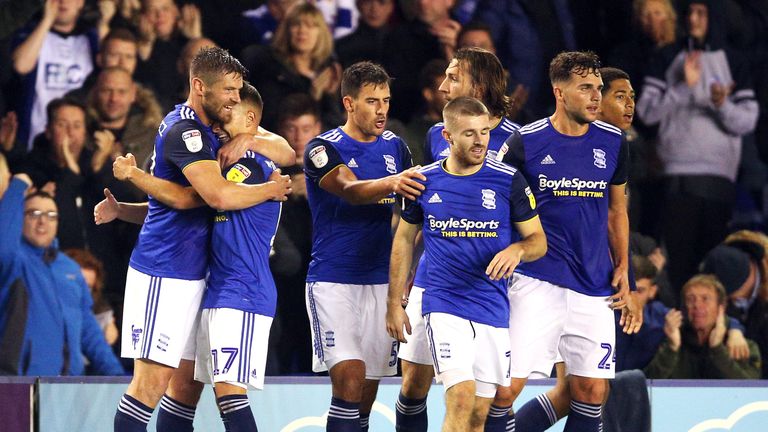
x=581, y=63
x=463, y=106
x=212, y=62
x=644, y=268
x=611, y=74
x=39, y=194
x=434, y=68
x=474, y=26
x=361, y=74
x=58, y=103
x=250, y=96
x=296, y=105
x=122, y=34
x=488, y=75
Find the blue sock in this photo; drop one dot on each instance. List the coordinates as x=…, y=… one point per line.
x=343, y=416
x=365, y=420
x=132, y=415
x=584, y=417
x=236, y=413
x=497, y=419
x=174, y=416
x=411, y=414
x=537, y=415
x=511, y=422
x=225, y=421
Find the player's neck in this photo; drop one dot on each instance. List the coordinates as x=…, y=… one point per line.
x=454, y=166
x=567, y=125
x=356, y=134
x=495, y=122
x=197, y=107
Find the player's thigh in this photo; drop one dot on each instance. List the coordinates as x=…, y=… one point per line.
x=232, y=348
x=335, y=316
x=160, y=317
x=492, y=359
x=378, y=347
x=416, y=350
x=452, y=346
x=536, y=320
x=589, y=337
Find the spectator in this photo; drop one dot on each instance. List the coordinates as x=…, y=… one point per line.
x=93, y=274
x=694, y=347
x=432, y=34
x=47, y=323
x=476, y=34
x=367, y=41
x=300, y=60
x=185, y=60
x=258, y=25
x=163, y=32
x=430, y=79
x=65, y=47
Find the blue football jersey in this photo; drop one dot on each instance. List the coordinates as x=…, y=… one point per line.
x=436, y=147
x=351, y=243
x=174, y=243
x=466, y=220
x=240, y=277
x=571, y=178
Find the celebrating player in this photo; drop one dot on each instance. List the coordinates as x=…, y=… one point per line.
x=353, y=172
x=561, y=304
x=467, y=214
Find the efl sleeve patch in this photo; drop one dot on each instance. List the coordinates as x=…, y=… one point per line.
x=193, y=139
x=319, y=156
x=238, y=173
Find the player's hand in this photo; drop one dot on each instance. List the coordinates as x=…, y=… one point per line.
x=281, y=185
x=738, y=348
x=123, y=167
x=398, y=323
x=235, y=149
x=672, y=322
x=692, y=68
x=504, y=263
x=717, y=335
x=9, y=125
x=631, y=316
x=107, y=210
x=620, y=283
x=405, y=183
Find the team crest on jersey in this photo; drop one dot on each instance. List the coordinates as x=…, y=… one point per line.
x=531, y=198
x=330, y=339
x=391, y=166
x=599, y=158
x=135, y=335
x=318, y=156
x=238, y=173
x=445, y=350
x=489, y=199
x=193, y=139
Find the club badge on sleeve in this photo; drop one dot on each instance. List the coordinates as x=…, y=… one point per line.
x=193, y=139
x=318, y=156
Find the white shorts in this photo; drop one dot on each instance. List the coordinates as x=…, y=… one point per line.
x=417, y=348
x=160, y=317
x=348, y=322
x=232, y=348
x=549, y=323
x=478, y=351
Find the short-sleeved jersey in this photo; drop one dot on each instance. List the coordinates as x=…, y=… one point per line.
x=571, y=177
x=241, y=240
x=174, y=243
x=466, y=220
x=351, y=243
x=436, y=147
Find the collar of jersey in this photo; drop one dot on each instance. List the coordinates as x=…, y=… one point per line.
x=445, y=170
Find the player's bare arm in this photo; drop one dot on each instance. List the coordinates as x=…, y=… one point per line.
x=399, y=271
x=269, y=144
x=110, y=209
x=341, y=181
x=167, y=192
x=618, y=237
x=532, y=247
x=205, y=177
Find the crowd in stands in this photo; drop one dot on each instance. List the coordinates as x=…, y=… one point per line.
x=85, y=81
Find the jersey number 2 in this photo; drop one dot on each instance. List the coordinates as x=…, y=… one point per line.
x=604, y=362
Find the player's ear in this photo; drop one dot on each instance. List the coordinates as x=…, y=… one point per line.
x=558, y=92
x=447, y=136
x=198, y=85
x=347, y=101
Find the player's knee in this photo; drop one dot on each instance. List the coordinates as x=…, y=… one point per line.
x=347, y=379
x=417, y=379
x=187, y=392
x=506, y=396
x=589, y=390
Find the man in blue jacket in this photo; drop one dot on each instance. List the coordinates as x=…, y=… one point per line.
x=46, y=323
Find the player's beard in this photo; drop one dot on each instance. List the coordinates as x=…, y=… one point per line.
x=215, y=111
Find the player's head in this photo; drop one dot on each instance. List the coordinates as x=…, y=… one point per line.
x=113, y=95
x=645, y=279
x=41, y=219
x=704, y=299
x=657, y=20
x=216, y=78
x=477, y=73
x=618, y=104
x=476, y=34
x=576, y=83
x=119, y=49
x=298, y=122
x=365, y=94
x=66, y=123
x=467, y=130
x=246, y=115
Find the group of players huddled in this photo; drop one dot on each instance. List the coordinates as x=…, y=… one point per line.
x=524, y=233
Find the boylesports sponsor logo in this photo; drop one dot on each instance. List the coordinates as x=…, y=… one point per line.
x=572, y=183
x=461, y=224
